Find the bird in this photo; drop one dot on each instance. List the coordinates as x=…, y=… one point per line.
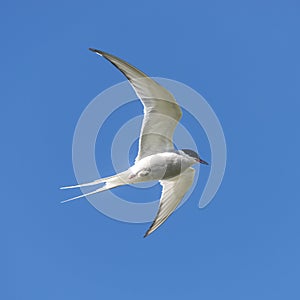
x=157, y=158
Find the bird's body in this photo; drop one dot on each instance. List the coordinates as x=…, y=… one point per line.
x=161, y=166
x=157, y=159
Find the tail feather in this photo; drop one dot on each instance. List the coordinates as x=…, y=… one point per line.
x=110, y=182
x=104, y=188
x=95, y=182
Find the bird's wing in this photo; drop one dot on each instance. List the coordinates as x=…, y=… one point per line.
x=161, y=111
x=172, y=193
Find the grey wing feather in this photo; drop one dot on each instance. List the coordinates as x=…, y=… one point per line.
x=161, y=111
x=172, y=194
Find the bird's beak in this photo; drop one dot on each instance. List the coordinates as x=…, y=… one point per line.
x=201, y=161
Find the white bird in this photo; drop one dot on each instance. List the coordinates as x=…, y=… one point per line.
x=157, y=158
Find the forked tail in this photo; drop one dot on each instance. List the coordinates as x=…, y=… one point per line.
x=110, y=182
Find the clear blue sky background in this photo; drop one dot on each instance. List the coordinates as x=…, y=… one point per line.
x=243, y=57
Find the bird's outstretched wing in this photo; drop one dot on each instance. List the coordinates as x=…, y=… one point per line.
x=161, y=111
x=172, y=193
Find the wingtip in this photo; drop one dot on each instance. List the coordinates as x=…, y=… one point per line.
x=147, y=233
x=96, y=51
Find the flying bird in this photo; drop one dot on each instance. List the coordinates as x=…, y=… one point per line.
x=157, y=158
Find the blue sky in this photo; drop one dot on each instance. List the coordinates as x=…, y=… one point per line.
x=243, y=57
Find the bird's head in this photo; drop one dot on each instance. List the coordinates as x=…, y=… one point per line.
x=195, y=156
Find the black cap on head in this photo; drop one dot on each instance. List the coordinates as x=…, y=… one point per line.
x=191, y=153
x=194, y=155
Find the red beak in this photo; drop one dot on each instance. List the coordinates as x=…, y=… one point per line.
x=201, y=161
